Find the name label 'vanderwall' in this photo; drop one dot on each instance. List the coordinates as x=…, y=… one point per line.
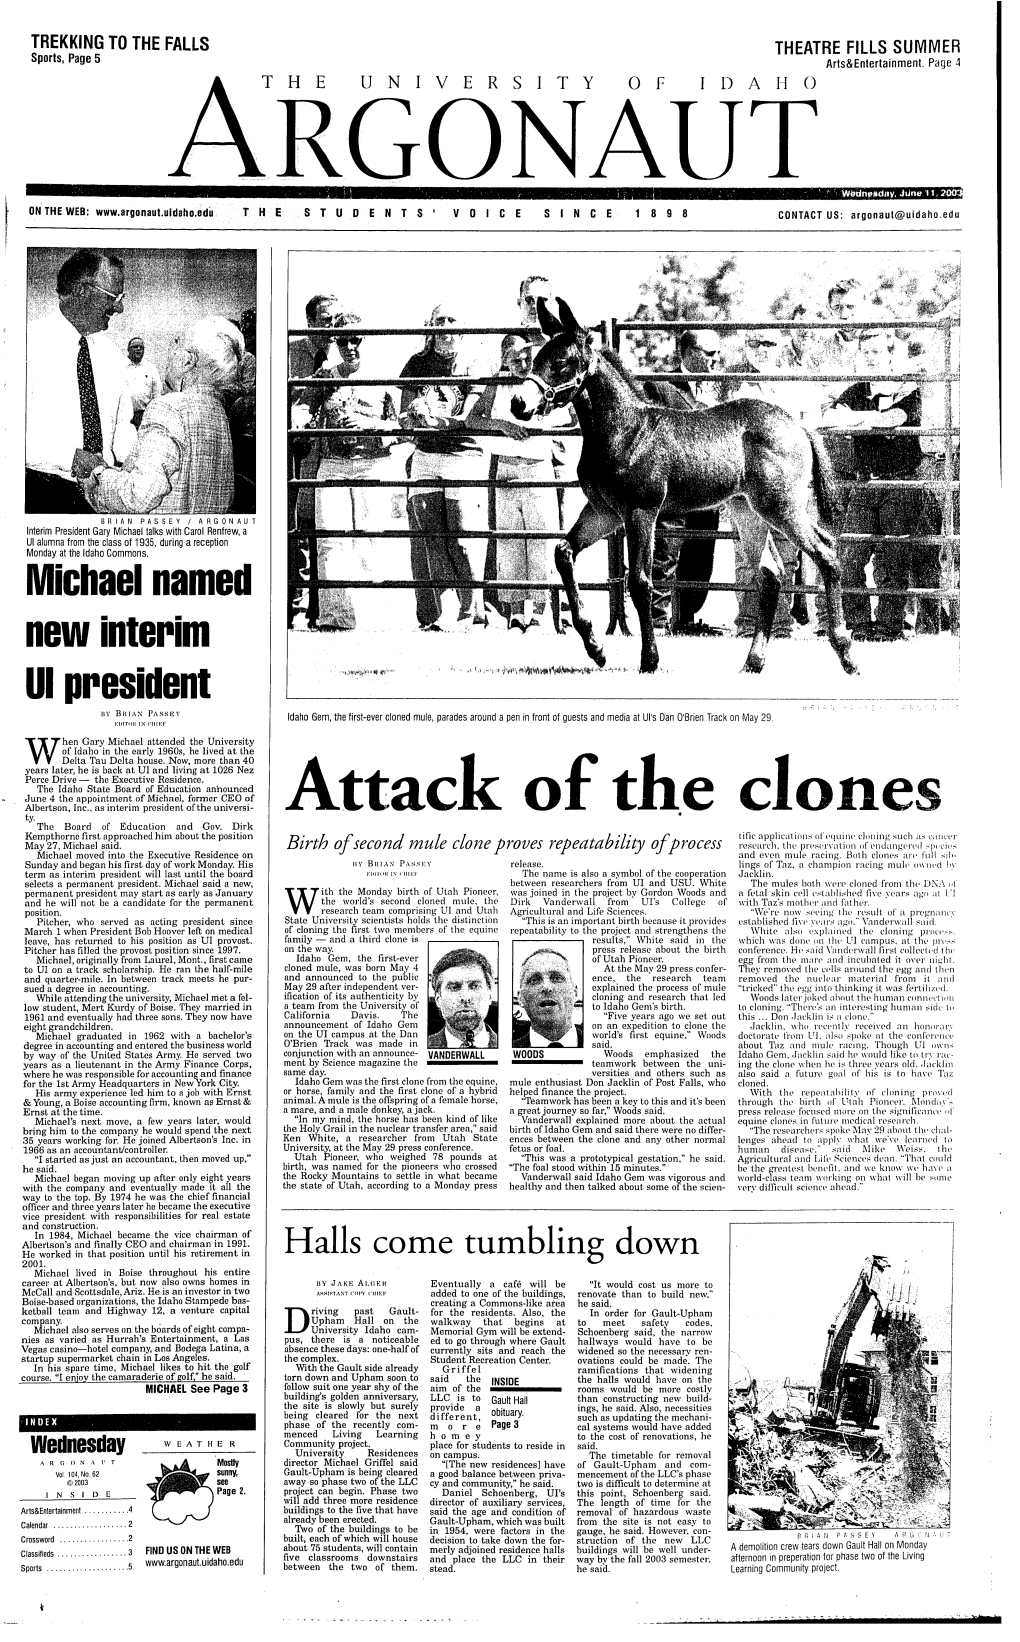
x=457, y=1054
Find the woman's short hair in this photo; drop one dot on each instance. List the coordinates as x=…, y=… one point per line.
x=220, y=346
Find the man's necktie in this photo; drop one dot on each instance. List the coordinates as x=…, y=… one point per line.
x=555, y=1043
x=469, y=1040
x=91, y=425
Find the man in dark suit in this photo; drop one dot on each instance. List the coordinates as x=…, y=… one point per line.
x=462, y=985
x=547, y=991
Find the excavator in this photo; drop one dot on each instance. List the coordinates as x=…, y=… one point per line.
x=847, y=1397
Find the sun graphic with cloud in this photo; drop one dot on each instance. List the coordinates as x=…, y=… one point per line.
x=180, y=1493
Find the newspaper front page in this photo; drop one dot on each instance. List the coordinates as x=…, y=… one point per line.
x=506, y=769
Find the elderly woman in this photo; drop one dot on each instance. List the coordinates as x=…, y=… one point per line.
x=183, y=459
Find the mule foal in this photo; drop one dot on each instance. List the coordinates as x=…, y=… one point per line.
x=590, y=526
x=647, y=464
x=770, y=578
x=640, y=547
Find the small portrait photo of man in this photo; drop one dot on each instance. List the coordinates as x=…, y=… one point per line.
x=548, y=1008
x=462, y=1002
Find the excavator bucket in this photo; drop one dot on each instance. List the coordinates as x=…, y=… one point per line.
x=847, y=1400
x=897, y=1300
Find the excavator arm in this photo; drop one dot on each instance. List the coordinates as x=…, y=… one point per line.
x=867, y=1288
x=871, y=1284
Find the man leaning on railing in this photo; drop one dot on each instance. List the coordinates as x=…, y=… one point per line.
x=878, y=402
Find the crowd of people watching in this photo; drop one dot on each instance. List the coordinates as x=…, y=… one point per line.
x=478, y=477
x=109, y=432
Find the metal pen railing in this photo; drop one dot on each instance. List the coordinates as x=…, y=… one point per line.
x=305, y=581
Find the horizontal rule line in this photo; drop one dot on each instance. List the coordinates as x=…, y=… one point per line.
x=653, y=194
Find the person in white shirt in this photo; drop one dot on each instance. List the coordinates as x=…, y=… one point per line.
x=517, y=460
x=79, y=409
x=882, y=400
x=676, y=557
x=835, y=350
x=446, y=451
x=764, y=354
x=815, y=352
x=143, y=383
x=360, y=450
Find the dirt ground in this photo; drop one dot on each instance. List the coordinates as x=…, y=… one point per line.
x=492, y=662
x=781, y=1476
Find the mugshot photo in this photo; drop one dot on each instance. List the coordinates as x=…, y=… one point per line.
x=140, y=381
x=462, y=1006
x=548, y=1000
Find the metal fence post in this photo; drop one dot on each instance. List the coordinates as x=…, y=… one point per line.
x=616, y=563
x=948, y=574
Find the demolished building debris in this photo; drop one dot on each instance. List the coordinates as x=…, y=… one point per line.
x=782, y=1477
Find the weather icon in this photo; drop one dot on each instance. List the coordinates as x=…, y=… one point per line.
x=180, y=1493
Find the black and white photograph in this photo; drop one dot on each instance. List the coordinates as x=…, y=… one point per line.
x=840, y=1375
x=548, y=1003
x=561, y=470
x=462, y=1010
x=140, y=381
x=513, y=911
